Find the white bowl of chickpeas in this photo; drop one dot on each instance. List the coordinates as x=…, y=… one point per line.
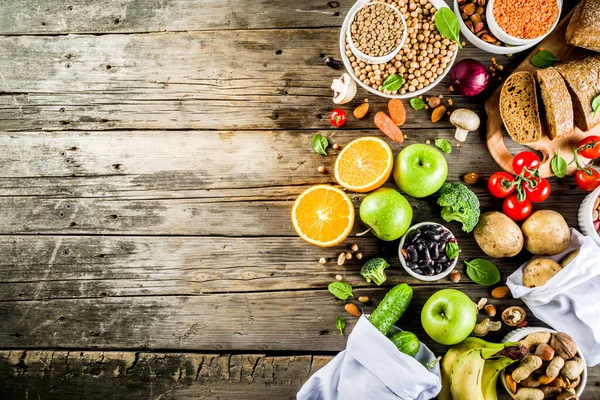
x=423, y=61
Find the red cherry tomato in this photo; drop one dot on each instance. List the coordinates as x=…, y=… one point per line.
x=587, y=179
x=525, y=159
x=501, y=185
x=539, y=192
x=338, y=117
x=589, y=147
x=515, y=209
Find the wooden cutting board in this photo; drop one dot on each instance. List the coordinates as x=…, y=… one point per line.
x=556, y=43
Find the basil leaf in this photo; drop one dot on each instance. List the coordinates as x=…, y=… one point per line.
x=319, y=144
x=443, y=145
x=393, y=82
x=452, y=250
x=559, y=166
x=596, y=105
x=340, y=290
x=340, y=323
x=417, y=103
x=447, y=23
x=544, y=59
x=482, y=272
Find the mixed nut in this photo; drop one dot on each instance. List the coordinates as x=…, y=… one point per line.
x=424, y=249
x=473, y=13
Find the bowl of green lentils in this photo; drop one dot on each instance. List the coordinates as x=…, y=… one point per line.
x=420, y=54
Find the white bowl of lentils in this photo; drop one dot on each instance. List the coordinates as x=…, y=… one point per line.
x=423, y=61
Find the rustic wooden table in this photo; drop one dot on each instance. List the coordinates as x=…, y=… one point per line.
x=150, y=154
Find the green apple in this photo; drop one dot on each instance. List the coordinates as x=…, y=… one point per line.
x=420, y=170
x=449, y=316
x=387, y=213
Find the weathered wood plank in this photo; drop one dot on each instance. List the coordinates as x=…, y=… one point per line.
x=30, y=17
x=191, y=80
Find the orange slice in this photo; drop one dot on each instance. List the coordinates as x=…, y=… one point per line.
x=364, y=164
x=323, y=215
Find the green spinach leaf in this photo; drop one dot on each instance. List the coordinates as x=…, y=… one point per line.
x=559, y=166
x=417, y=103
x=482, y=272
x=544, y=59
x=447, y=23
x=596, y=105
x=319, y=144
x=393, y=82
x=340, y=323
x=452, y=250
x=443, y=145
x=341, y=290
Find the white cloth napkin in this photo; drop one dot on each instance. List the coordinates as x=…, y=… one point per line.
x=371, y=368
x=570, y=301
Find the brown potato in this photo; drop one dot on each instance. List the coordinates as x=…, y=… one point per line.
x=539, y=271
x=546, y=233
x=568, y=258
x=498, y=236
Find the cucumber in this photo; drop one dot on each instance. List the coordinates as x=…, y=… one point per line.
x=391, y=308
x=406, y=342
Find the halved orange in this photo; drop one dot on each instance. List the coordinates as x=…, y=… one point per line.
x=323, y=215
x=364, y=164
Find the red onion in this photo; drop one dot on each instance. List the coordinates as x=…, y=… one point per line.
x=469, y=77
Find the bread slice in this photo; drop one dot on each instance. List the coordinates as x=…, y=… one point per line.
x=519, y=108
x=584, y=28
x=583, y=81
x=558, y=108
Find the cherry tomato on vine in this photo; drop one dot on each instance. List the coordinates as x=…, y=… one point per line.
x=587, y=179
x=525, y=159
x=589, y=147
x=501, y=185
x=539, y=192
x=515, y=209
x=338, y=117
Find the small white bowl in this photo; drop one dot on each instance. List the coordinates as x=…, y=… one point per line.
x=521, y=333
x=425, y=278
x=585, y=216
x=498, y=32
x=371, y=59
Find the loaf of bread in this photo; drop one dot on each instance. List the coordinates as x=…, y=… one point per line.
x=558, y=108
x=584, y=28
x=583, y=81
x=519, y=108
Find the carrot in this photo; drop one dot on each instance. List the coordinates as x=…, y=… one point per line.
x=389, y=127
x=397, y=111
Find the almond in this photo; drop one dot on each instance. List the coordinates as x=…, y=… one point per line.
x=361, y=111
x=352, y=310
x=500, y=292
x=471, y=178
x=438, y=113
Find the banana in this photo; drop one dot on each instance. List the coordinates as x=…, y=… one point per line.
x=465, y=381
x=491, y=371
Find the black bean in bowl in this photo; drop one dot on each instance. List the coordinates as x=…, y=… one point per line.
x=424, y=249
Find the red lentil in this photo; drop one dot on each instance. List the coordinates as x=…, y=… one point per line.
x=525, y=19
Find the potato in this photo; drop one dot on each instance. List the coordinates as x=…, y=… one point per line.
x=568, y=258
x=498, y=236
x=546, y=233
x=539, y=271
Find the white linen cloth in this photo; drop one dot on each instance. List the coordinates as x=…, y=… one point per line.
x=371, y=368
x=570, y=301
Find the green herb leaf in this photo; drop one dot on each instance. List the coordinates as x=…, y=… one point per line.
x=417, y=103
x=340, y=323
x=596, y=105
x=447, y=23
x=443, y=145
x=393, y=82
x=559, y=166
x=340, y=290
x=319, y=144
x=482, y=272
x=544, y=59
x=452, y=250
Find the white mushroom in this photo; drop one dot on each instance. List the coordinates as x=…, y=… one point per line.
x=344, y=89
x=465, y=121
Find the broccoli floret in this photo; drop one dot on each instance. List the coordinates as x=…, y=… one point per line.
x=374, y=270
x=459, y=204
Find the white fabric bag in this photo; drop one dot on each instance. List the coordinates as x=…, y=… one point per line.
x=570, y=301
x=371, y=367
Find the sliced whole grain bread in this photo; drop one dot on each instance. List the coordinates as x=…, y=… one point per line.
x=584, y=28
x=583, y=81
x=558, y=108
x=519, y=108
